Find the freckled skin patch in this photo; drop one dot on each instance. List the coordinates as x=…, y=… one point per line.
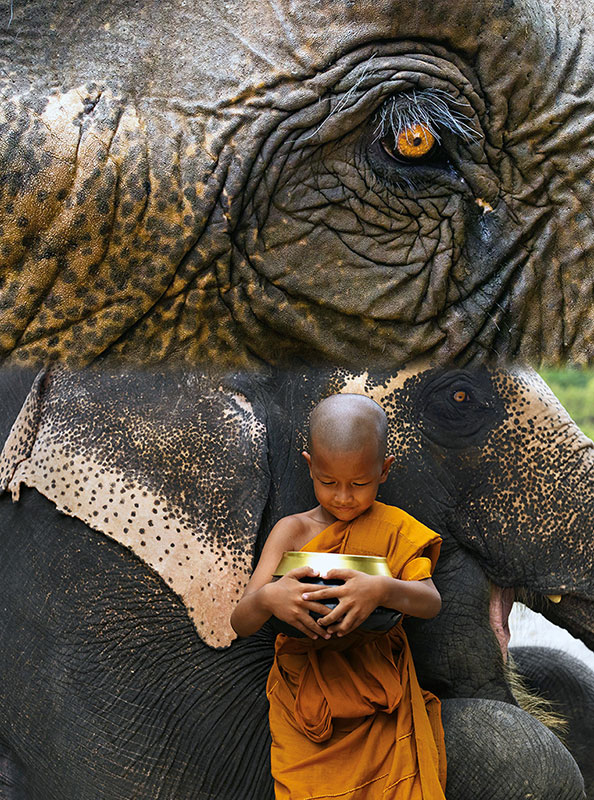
x=141, y=459
x=538, y=466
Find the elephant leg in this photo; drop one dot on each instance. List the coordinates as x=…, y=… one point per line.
x=569, y=684
x=496, y=751
x=12, y=776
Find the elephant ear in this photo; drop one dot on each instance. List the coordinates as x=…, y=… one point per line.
x=173, y=466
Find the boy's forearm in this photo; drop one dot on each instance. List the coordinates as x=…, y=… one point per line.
x=251, y=613
x=415, y=598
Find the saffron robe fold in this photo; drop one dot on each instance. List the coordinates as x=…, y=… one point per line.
x=347, y=716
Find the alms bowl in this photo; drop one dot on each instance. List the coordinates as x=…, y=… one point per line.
x=382, y=619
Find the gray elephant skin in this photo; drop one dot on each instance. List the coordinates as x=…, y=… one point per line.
x=226, y=181
x=119, y=681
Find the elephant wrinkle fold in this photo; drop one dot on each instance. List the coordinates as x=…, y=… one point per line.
x=149, y=490
x=348, y=718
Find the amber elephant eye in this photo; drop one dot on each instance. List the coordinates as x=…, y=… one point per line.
x=412, y=143
x=460, y=396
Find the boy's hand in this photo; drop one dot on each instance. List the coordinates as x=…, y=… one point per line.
x=357, y=598
x=285, y=599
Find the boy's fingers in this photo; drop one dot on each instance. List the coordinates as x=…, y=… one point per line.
x=341, y=630
x=309, y=589
x=315, y=593
x=341, y=574
x=319, y=608
x=313, y=630
x=307, y=631
x=302, y=572
x=347, y=624
x=332, y=616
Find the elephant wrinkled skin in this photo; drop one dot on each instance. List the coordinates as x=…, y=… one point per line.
x=223, y=181
x=123, y=697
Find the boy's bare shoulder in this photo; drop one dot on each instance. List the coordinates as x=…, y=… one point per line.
x=292, y=531
x=294, y=523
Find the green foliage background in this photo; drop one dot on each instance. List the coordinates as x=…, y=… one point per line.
x=575, y=390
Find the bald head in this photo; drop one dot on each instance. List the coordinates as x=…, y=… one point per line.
x=346, y=423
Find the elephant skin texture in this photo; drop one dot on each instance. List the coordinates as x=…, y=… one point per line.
x=230, y=182
x=566, y=682
x=110, y=687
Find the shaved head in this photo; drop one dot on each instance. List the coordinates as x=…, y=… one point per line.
x=346, y=423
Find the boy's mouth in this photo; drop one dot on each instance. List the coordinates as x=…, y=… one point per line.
x=342, y=511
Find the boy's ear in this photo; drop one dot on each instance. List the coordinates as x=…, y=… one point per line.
x=307, y=457
x=388, y=461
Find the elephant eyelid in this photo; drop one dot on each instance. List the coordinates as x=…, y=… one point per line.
x=434, y=109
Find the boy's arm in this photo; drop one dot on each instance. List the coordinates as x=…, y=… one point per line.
x=415, y=598
x=361, y=594
x=283, y=598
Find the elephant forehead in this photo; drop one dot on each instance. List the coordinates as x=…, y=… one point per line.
x=230, y=49
x=392, y=392
x=173, y=468
x=279, y=40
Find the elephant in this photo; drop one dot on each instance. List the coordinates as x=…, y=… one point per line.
x=134, y=504
x=352, y=183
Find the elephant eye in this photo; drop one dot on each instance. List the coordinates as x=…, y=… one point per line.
x=457, y=407
x=411, y=136
x=412, y=143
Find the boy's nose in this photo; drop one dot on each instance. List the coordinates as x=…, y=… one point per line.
x=343, y=494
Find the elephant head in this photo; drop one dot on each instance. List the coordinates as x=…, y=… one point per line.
x=146, y=459
x=487, y=457
x=256, y=182
x=189, y=472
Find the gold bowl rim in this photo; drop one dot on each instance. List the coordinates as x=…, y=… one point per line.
x=322, y=562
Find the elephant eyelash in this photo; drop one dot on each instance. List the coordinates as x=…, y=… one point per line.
x=431, y=108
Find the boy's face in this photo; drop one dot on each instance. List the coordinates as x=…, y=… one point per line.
x=346, y=483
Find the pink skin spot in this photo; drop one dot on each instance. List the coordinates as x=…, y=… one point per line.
x=500, y=606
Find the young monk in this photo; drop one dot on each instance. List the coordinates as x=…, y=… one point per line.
x=347, y=716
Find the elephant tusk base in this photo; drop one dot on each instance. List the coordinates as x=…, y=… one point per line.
x=554, y=598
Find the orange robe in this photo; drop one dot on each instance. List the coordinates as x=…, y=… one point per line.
x=347, y=716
